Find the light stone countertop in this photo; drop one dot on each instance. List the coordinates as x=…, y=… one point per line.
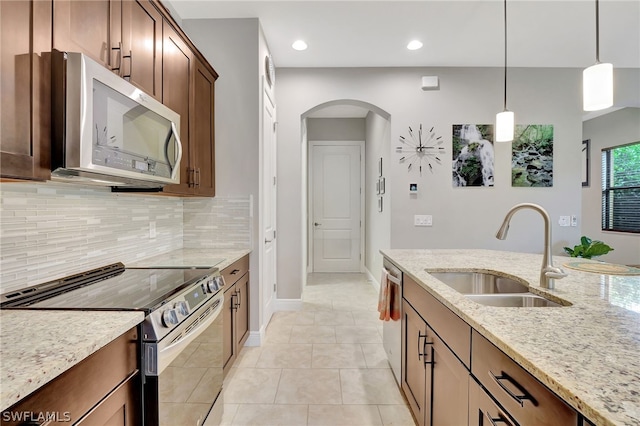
x=37, y=346
x=587, y=353
x=192, y=258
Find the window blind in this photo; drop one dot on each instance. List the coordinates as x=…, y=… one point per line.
x=621, y=188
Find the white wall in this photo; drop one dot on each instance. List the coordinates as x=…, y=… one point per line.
x=617, y=128
x=377, y=224
x=463, y=217
x=234, y=48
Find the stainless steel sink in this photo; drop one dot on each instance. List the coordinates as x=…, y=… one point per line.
x=491, y=289
x=523, y=300
x=467, y=282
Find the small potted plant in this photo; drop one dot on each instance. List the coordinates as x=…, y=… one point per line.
x=588, y=248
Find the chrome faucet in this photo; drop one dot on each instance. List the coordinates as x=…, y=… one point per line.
x=548, y=272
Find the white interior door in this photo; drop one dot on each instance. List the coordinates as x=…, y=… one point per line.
x=336, y=182
x=268, y=215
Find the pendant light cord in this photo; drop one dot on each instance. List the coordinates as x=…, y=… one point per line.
x=597, y=32
x=505, y=54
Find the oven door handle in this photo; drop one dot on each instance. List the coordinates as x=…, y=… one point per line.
x=171, y=352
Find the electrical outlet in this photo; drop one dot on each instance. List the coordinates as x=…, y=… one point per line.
x=152, y=230
x=564, y=220
x=423, y=220
x=574, y=220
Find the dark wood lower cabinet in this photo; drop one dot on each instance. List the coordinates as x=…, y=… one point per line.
x=452, y=375
x=235, y=310
x=415, y=374
x=434, y=380
x=119, y=408
x=483, y=411
x=103, y=389
x=450, y=396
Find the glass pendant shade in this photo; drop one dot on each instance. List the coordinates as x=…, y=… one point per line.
x=597, y=87
x=505, y=122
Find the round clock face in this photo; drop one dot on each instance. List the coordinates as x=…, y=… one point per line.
x=270, y=70
x=420, y=147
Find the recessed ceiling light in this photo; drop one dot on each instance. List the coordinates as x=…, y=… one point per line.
x=414, y=45
x=299, y=45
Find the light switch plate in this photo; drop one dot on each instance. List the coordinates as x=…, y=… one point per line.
x=564, y=221
x=423, y=220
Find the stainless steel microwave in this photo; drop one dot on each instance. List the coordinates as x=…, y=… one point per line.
x=107, y=131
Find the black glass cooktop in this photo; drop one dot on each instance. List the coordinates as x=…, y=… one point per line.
x=130, y=289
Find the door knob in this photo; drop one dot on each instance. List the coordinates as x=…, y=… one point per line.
x=316, y=224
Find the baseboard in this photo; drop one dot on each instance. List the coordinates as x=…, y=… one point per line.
x=255, y=338
x=287, y=305
x=374, y=280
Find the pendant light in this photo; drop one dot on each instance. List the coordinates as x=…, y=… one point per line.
x=505, y=120
x=597, y=80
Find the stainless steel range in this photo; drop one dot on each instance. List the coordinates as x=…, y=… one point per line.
x=181, y=336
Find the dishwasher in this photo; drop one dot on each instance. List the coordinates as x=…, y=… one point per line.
x=392, y=330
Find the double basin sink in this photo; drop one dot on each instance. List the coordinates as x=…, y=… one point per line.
x=492, y=290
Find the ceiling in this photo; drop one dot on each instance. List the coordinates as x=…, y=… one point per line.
x=541, y=33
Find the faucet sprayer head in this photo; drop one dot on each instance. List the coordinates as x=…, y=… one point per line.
x=504, y=229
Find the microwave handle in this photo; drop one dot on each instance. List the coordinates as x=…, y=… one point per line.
x=176, y=168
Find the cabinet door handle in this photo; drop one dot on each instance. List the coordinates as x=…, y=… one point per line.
x=234, y=304
x=119, y=67
x=520, y=399
x=424, y=350
x=197, y=174
x=130, y=56
x=500, y=419
x=238, y=298
x=420, y=336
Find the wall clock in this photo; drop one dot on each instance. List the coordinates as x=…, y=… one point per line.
x=419, y=147
x=269, y=70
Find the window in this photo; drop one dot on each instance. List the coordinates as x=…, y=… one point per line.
x=621, y=188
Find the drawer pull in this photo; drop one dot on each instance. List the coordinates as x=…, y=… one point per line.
x=520, y=399
x=500, y=419
x=235, y=271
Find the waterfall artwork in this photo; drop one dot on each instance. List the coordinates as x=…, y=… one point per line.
x=473, y=156
x=532, y=155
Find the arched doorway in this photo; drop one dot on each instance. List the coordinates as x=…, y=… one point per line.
x=339, y=136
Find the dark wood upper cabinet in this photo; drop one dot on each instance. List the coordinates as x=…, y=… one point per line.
x=202, y=136
x=142, y=46
x=136, y=39
x=91, y=27
x=176, y=86
x=25, y=39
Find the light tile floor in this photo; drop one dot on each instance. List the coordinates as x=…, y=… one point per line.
x=321, y=366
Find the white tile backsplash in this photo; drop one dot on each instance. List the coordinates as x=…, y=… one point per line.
x=221, y=222
x=50, y=230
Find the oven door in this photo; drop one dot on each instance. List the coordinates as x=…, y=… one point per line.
x=183, y=371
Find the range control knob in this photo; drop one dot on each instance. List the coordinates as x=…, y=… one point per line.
x=182, y=308
x=212, y=285
x=169, y=318
x=220, y=281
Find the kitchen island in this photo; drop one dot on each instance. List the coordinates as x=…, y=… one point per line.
x=586, y=352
